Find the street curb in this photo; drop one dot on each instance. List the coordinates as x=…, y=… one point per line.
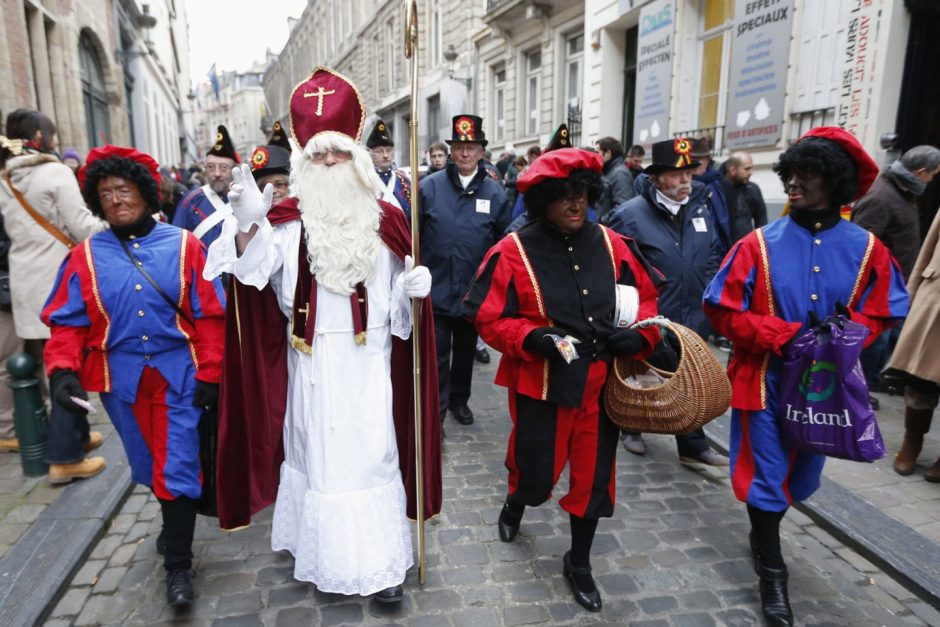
x=36, y=571
x=904, y=554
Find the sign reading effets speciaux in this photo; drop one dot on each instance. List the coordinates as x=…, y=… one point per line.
x=758, y=80
x=655, y=45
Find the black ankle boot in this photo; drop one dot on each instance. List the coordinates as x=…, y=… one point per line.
x=179, y=587
x=591, y=601
x=774, y=600
x=389, y=595
x=508, y=523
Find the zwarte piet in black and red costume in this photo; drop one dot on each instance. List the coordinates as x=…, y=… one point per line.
x=556, y=279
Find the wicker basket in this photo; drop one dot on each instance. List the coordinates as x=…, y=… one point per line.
x=698, y=392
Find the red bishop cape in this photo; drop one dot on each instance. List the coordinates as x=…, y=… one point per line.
x=254, y=392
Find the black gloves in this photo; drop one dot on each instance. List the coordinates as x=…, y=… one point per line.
x=537, y=341
x=206, y=394
x=63, y=384
x=626, y=342
x=842, y=310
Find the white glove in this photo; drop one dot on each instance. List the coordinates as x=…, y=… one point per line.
x=249, y=206
x=415, y=282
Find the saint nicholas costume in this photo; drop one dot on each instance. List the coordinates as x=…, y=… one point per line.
x=317, y=399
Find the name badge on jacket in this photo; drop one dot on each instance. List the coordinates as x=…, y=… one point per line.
x=700, y=225
x=483, y=206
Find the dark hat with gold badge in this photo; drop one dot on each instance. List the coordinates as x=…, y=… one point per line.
x=279, y=137
x=671, y=154
x=379, y=136
x=560, y=139
x=269, y=159
x=223, y=146
x=467, y=129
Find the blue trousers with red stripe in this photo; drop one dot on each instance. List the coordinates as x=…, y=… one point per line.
x=546, y=436
x=765, y=472
x=160, y=434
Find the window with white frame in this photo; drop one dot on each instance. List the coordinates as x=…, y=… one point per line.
x=574, y=68
x=390, y=56
x=717, y=27
x=436, y=45
x=533, y=90
x=499, y=103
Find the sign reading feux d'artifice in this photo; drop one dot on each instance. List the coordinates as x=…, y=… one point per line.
x=654, y=72
x=758, y=80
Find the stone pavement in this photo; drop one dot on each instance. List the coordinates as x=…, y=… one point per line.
x=675, y=553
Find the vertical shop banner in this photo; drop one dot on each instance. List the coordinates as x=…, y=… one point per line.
x=757, y=86
x=654, y=72
x=858, y=68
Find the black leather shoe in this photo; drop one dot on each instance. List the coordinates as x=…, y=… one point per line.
x=591, y=601
x=389, y=595
x=774, y=599
x=507, y=531
x=179, y=587
x=462, y=414
x=482, y=355
x=161, y=543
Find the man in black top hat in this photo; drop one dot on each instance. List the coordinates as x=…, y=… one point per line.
x=396, y=186
x=672, y=225
x=463, y=213
x=203, y=210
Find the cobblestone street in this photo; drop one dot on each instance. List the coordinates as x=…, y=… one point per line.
x=675, y=553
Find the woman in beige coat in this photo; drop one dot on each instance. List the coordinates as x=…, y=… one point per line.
x=29, y=166
x=916, y=355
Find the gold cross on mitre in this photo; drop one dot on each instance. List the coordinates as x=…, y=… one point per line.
x=319, y=96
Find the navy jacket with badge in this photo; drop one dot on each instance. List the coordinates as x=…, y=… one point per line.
x=685, y=248
x=458, y=226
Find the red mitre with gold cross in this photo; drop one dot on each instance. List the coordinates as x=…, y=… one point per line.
x=327, y=101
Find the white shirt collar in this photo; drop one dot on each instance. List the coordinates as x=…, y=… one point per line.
x=672, y=206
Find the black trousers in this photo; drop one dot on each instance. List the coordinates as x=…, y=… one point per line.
x=68, y=433
x=456, y=344
x=179, y=525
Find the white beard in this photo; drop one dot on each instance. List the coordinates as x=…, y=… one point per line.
x=340, y=213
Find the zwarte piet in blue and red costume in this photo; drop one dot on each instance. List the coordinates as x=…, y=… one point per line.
x=558, y=276
x=202, y=210
x=132, y=318
x=810, y=263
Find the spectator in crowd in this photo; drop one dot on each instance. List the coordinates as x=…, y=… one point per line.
x=889, y=211
x=505, y=160
x=915, y=356
x=745, y=202
x=491, y=170
x=396, y=187
x=43, y=215
x=203, y=210
x=618, y=180
x=463, y=213
x=557, y=276
x=10, y=345
x=771, y=283
x=532, y=153
x=635, y=160
x=72, y=159
x=133, y=318
x=708, y=176
x=437, y=157
x=672, y=226
x=171, y=193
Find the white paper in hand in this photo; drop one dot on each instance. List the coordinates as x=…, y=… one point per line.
x=84, y=404
x=628, y=306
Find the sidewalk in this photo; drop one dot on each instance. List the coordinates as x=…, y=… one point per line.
x=673, y=554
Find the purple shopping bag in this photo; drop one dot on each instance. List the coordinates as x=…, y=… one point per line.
x=823, y=404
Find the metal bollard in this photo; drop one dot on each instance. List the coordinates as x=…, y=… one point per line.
x=29, y=414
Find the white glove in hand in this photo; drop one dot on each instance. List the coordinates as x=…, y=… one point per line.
x=249, y=205
x=415, y=282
